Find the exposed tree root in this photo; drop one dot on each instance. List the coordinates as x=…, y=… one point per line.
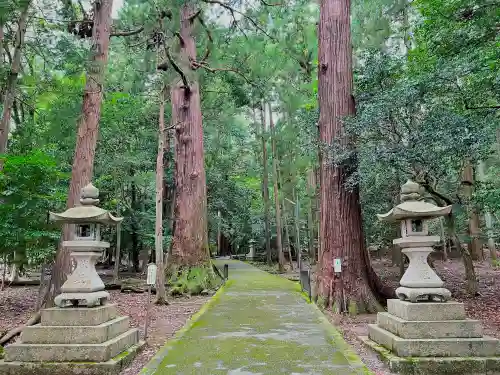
x=162, y=301
x=35, y=319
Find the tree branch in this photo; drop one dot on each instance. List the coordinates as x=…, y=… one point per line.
x=194, y=15
x=128, y=33
x=270, y=4
x=210, y=40
x=485, y=107
x=181, y=39
x=233, y=11
x=177, y=69
x=198, y=64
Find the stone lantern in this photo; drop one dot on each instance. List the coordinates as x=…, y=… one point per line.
x=251, y=250
x=83, y=334
x=419, y=281
x=84, y=287
x=423, y=332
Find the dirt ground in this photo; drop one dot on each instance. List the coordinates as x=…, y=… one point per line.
x=16, y=306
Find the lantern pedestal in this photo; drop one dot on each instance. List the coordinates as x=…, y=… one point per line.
x=83, y=287
x=420, y=281
x=432, y=338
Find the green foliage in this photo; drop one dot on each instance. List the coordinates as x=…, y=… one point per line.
x=29, y=188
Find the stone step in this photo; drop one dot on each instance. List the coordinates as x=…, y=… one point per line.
x=443, y=347
x=435, y=365
x=426, y=311
x=112, y=367
x=429, y=329
x=103, y=352
x=39, y=334
x=78, y=316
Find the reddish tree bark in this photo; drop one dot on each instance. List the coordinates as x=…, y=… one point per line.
x=88, y=129
x=190, y=242
x=11, y=84
x=340, y=218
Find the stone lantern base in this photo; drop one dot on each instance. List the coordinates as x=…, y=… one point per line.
x=430, y=338
x=79, y=340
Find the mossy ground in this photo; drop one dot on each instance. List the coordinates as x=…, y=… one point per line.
x=259, y=324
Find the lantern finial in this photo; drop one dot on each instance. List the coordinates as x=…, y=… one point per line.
x=89, y=195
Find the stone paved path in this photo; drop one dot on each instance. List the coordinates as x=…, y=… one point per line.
x=259, y=324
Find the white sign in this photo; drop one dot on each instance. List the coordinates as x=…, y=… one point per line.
x=337, y=265
x=151, y=274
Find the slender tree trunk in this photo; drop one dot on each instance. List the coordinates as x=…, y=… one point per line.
x=475, y=246
x=134, y=251
x=340, y=219
x=471, y=282
x=488, y=220
x=11, y=84
x=444, y=239
x=311, y=225
x=287, y=243
x=297, y=229
x=265, y=187
x=4, y=272
x=190, y=242
x=160, y=274
x=219, y=219
x=116, y=268
x=279, y=227
x=88, y=128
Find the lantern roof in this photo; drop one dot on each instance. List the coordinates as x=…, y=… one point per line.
x=87, y=211
x=413, y=206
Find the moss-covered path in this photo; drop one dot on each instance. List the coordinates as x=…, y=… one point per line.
x=257, y=324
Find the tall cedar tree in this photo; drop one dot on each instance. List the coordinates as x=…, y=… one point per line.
x=88, y=130
x=190, y=242
x=340, y=217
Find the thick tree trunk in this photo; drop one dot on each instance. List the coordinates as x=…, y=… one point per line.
x=88, y=129
x=474, y=244
x=190, y=242
x=160, y=274
x=11, y=84
x=279, y=227
x=265, y=187
x=340, y=218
